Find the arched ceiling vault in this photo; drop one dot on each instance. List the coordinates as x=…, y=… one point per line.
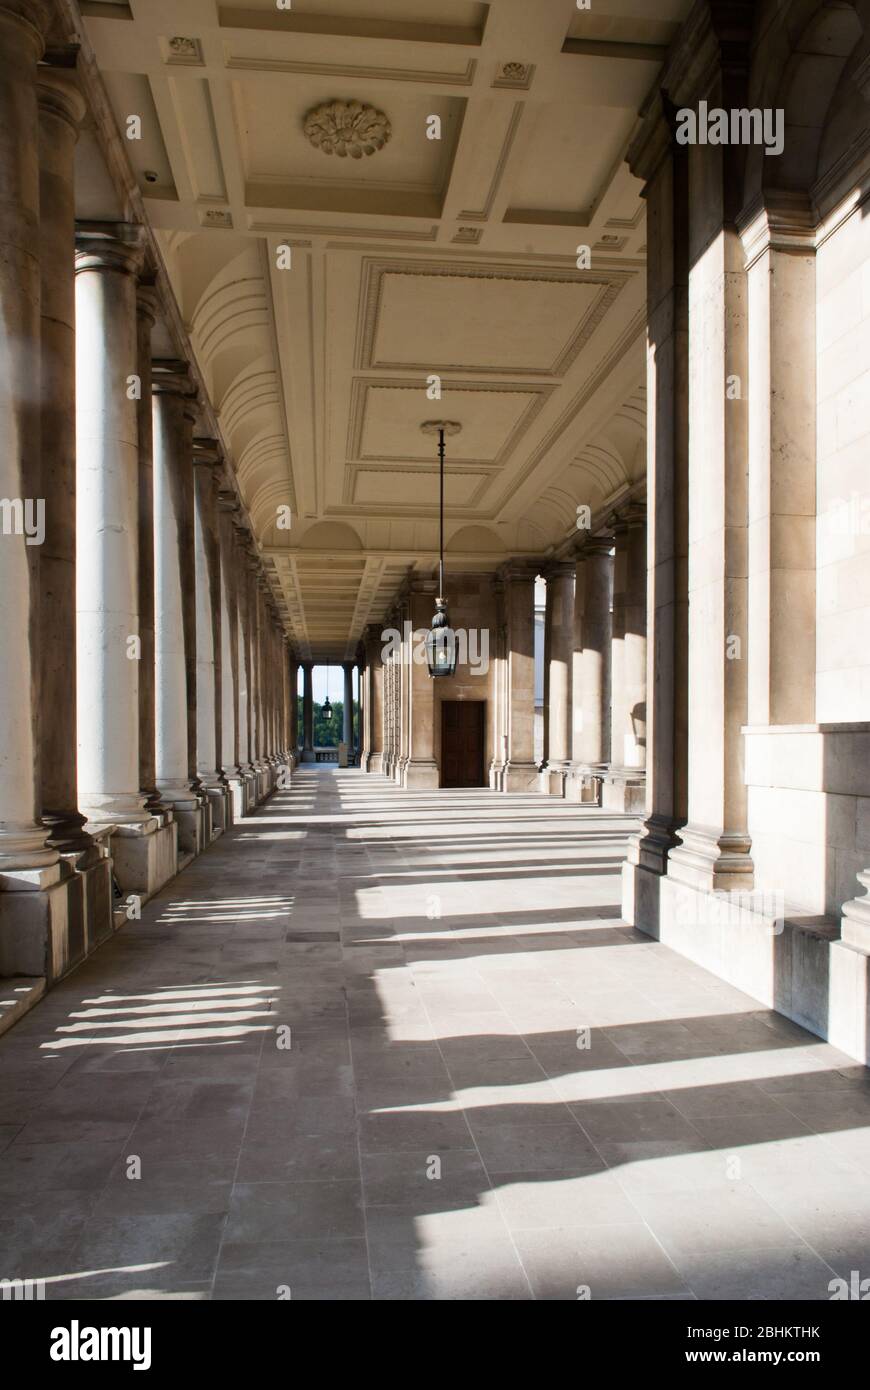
x=322, y=293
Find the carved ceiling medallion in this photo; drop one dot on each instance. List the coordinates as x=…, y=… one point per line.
x=347, y=128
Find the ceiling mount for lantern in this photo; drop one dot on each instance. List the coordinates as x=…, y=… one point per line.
x=441, y=639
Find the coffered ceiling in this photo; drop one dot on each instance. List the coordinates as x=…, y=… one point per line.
x=323, y=291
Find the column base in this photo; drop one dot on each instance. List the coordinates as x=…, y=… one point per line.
x=41, y=921
x=220, y=803
x=421, y=776
x=521, y=777
x=712, y=861
x=583, y=783
x=249, y=778
x=142, y=863
x=553, y=779
x=375, y=762
x=194, y=830
x=236, y=787
x=791, y=961
x=495, y=777
x=651, y=847
x=624, y=790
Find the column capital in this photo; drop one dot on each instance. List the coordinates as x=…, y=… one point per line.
x=170, y=376
x=778, y=219
x=519, y=571
x=558, y=569
x=31, y=18
x=110, y=246
x=207, y=453
x=595, y=545
x=147, y=297
x=58, y=91
x=654, y=141
x=228, y=502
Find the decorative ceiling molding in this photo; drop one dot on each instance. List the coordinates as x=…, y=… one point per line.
x=609, y=283
x=443, y=78
x=410, y=462
x=501, y=164
x=283, y=228
x=347, y=128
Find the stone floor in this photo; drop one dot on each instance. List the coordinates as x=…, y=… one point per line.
x=438, y=1127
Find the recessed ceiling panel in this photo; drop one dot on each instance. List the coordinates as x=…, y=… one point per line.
x=391, y=489
x=580, y=143
x=392, y=415
x=492, y=322
x=418, y=21
x=283, y=168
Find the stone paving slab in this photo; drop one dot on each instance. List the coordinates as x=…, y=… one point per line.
x=396, y=1045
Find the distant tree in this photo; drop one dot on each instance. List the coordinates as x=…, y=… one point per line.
x=327, y=732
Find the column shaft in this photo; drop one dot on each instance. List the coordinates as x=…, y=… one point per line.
x=560, y=655
x=175, y=590
x=521, y=774
x=107, y=527
x=61, y=109
x=22, y=839
x=307, y=713
x=347, y=709
x=590, y=691
x=146, y=307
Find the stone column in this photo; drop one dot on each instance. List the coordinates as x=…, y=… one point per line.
x=365, y=709
x=419, y=707
x=246, y=770
x=389, y=715
x=61, y=109
x=779, y=241
x=107, y=521
x=32, y=894
x=374, y=700
x=261, y=766
x=227, y=508
x=664, y=166
x=175, y=603
x=590, y=689
x=207, y=463
x=284, y=656
x=89, y=891
x=499, y=689
x=521, y=773
x=623, y=786
x=146, y=314
x=293, y=716
x=560, y=658
x=307, y=712
x=347, y=709
x=715, y=850
x=403, y=691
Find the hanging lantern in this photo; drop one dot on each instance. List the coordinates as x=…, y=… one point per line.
x=441, y=643
x=441, y=639
x=327, y=707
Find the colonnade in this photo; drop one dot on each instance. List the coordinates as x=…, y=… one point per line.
x=594, y=674
x=146, y=680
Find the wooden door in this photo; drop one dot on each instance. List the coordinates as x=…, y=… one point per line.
x=462, y=743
